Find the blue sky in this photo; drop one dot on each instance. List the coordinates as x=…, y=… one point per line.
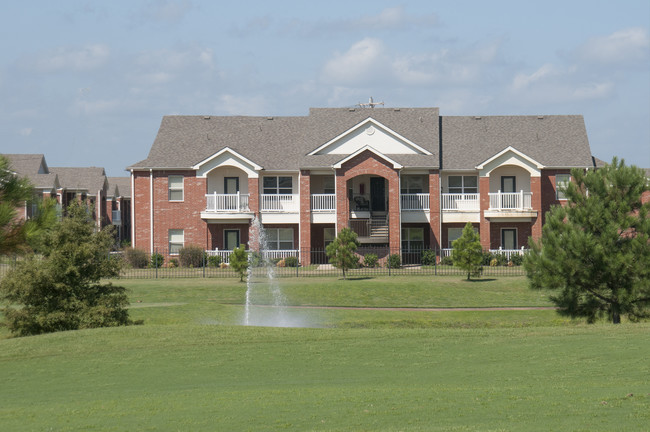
x=86, y=82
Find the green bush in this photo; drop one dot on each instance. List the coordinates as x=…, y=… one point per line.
x=291, y=261
x=173, y=263
x=394, y=261
x=157, y=260
x=191, y=256
x=371, y=260
x=136, y=258
x=428, y=257
x=517, y=259
x=214, y=261
x=448, y=260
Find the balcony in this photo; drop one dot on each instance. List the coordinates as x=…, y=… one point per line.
x=511, y=201
x=460, y=202
x=323, y=203
x=227, y=203
x=414, y=201
x=280, y=203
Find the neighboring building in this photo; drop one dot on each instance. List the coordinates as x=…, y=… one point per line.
x=405, y=178
x=118, y=206
x=35, y=169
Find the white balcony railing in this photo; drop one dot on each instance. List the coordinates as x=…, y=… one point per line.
x=227, y=202
x=116, y=217
x=267, y=254
x=324, y=203
x=415, y=201
x=279, y=202
x=517, y=201
x=460, y=202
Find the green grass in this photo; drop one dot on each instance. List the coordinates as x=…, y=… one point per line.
x=187, y=368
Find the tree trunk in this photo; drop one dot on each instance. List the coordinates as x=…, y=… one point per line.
x=616, y=317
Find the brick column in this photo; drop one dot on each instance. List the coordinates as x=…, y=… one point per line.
x=484, y=189
x=254, y=207
x=342, y=204
x=434, y=209
x=394, y=216
x=305, y=217
x=536, y=203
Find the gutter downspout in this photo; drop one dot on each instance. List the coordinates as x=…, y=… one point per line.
x=132, y=210
x=151, y=211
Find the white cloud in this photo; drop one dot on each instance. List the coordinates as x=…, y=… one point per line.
x=628, y=45
x=167, y=10
x=393, y=18
x=84, y=58
x=242, y=105
x=522, y=80
x=25, y=131
x=364, y=60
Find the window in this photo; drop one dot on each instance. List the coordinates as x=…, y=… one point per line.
x=175, y=185
x=231, y=239
x=329, y=234
x=561, y=181
x=463, y=184
x=508, y=184
x=453, y=234
x=412, y=184
x=412, y=239
x=281, y=185
x=279, y=238
x=176, y=241
x=328, y=185
x=509, y=238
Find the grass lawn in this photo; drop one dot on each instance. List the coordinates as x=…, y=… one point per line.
x=189, y=368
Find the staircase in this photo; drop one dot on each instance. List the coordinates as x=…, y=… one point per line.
x=373, y=230
x=379, y=228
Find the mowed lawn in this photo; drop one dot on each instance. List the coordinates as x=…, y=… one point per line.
x=190, y=368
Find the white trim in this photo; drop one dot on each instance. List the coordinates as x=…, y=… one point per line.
x=516, y=230
x=377, y=124
x=517, y=158
x=132, y=211
x=234, y=154
x=150, y=211
x=361, y=150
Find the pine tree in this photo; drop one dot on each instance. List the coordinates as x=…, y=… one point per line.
x=341, y=252
x=595, y=251
x=239, y=261
x=468, y=253
x=14, y=191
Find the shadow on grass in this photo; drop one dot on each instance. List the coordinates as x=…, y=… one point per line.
x=481, y=280
x=354, y=278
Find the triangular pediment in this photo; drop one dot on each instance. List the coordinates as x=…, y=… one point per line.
x=395, y=165
x=510, y=156
x=227, y=157
x=369, y=133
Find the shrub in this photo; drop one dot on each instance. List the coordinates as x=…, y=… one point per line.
x=280, y=263
x=172, y=263
x=291, y=261
x=428, y=257
x=371, y=260
x=157, y=260
x=223, y=265
x=191, y=256
x=136, y=258
x=517, y=259
x=487, y=258
x=494, y=262
x=448, y=260
x=214, y=261
x=394, y=261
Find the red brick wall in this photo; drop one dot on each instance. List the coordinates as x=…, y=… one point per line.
x=141, y=210
x=215, y=234
x=484, y=198
x=434, y=208
x=305, y=214
x=524, y=230
x=445, y=234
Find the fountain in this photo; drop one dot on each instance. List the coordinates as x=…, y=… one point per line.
x=276, y=314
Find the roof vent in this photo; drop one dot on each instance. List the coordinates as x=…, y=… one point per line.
x=477, y=117
x=269, y=118
x=396, y=109
x=351, y=109
x=540, y=117
x=206, y=117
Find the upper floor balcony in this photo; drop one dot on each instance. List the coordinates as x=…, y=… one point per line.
x=414, y=201
x=323, y=203
x=511, y=201
x=227, y=203
x=289, y=203
x=460, y=202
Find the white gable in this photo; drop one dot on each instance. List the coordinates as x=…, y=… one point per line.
x=227, y=157
x=510, y=156
x=369, y=133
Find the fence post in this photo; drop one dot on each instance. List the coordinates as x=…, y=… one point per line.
x=203, y=259
x=156, y=262
x=435, y=261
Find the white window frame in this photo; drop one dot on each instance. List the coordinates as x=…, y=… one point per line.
x=225, y=236
x=559, y=195
x=172, y=187
x=174, y=244
x=516, y=237
x=463, y=187
x=274, y=240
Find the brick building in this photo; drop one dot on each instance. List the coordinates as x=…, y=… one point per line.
x=404, y=178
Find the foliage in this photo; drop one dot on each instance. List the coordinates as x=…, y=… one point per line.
x=467, y=252
x=14, y=191
x=291, y=261
x=594, y=252
x=239, y=261
x=394, y=261
x=428, y=257
x=371, y=260
x=157, y=260
x=341, y=252
x=172, y=263
x=192, y=256
x=43, y=221
x=447, y=260
x=214, y=261
x=63, y=289
x=136, y=258
x=517, y=259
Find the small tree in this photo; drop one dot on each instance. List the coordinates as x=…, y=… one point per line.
x=239, y=261
x=595, y=251
x=62, y=290
x=467, y=252
x=341, y=252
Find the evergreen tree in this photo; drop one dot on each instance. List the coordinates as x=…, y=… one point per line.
x=62, y=290
x=468, y=253
x=239, y=261
x=14, y=192
x=595, y=251
x=341, y=252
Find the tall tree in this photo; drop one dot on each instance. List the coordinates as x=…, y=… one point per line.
x=467, y=252
x=341, y=252
x=63, y=288
x=14, y=192
x=595, y=251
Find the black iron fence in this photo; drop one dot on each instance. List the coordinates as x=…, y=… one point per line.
x=372, y=261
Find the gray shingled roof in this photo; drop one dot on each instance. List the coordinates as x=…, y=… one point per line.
x=553, y=141
x=284, y=143
x=34, y=168
x=119, y=186
x=89, y=179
